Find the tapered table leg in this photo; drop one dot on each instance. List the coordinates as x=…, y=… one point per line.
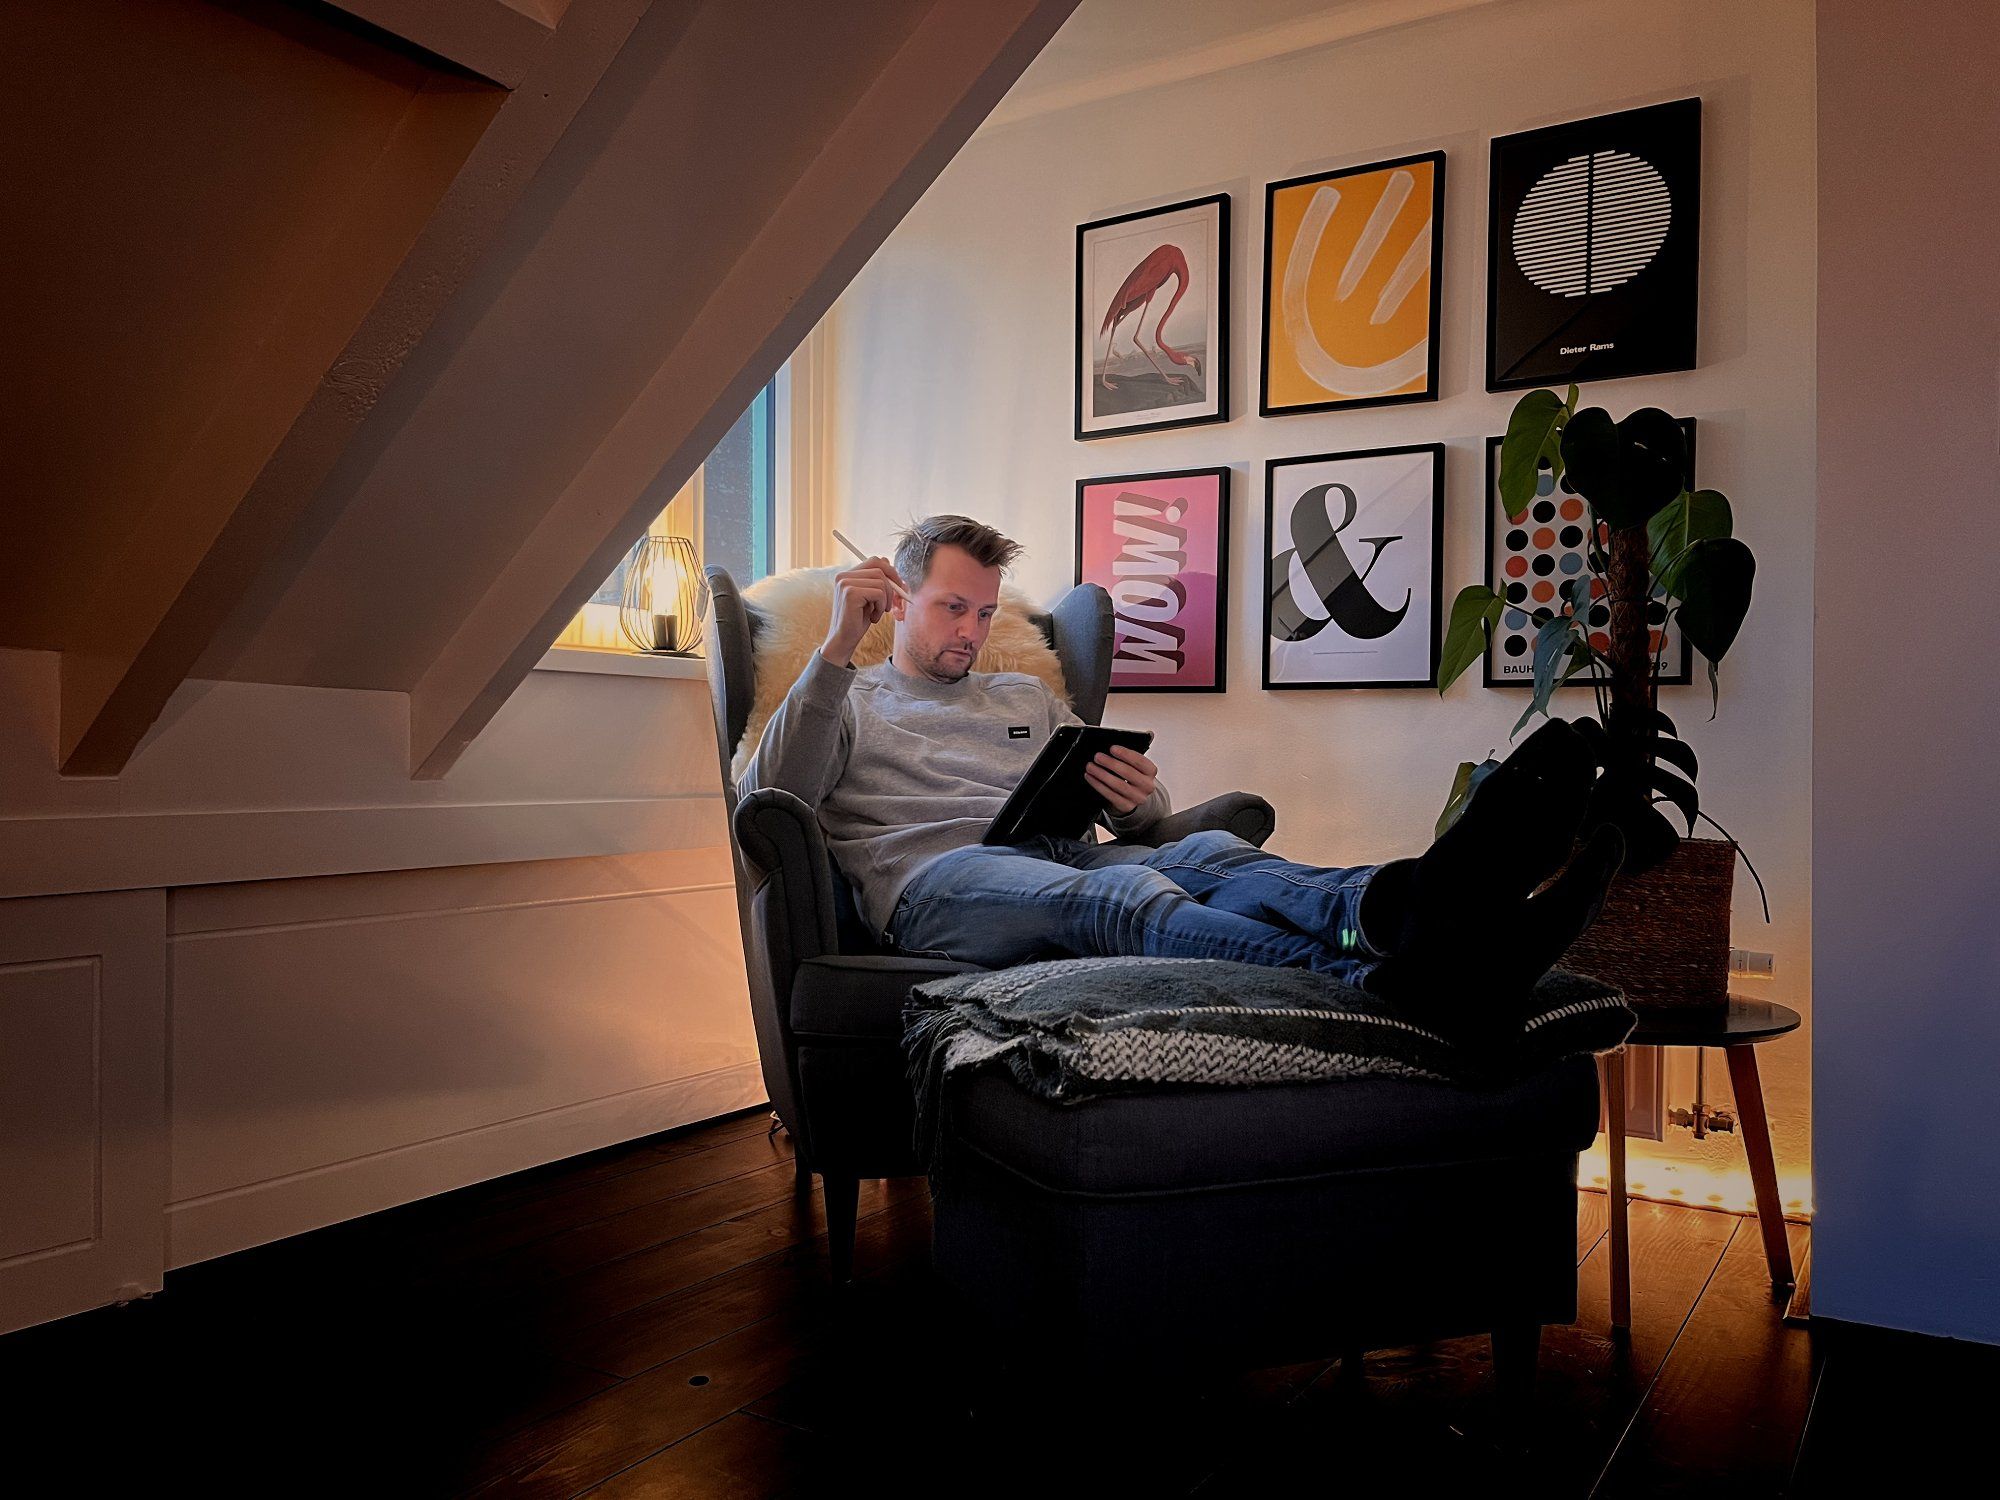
x=1763, y=1168
x=1611, y=1067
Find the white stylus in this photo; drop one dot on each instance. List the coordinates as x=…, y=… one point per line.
x=860, y=556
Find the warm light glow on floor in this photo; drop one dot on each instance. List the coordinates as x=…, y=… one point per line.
x=1661, y=1180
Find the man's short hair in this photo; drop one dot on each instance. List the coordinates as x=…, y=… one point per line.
x=918, y=542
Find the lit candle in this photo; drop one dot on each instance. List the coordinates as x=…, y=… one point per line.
x=665, y=635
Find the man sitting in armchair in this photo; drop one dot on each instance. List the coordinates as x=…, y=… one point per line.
x=907, y=763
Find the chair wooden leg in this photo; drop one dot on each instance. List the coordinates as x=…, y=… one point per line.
x=1763, y=1167
x=843, y=1199
x=1516, y=1350
x=1612, y=1066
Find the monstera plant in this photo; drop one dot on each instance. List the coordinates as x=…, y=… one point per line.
x=1650, y=541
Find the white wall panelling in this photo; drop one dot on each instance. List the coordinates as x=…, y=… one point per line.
x=83, y=1129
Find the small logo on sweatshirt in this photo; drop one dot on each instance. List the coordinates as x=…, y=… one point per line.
x=1017, y=731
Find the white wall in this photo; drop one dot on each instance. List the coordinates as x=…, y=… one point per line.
x=275, y=983
x=954, y=371
x=1906, y=843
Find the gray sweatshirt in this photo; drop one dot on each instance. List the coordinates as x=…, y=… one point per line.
x=902, y=769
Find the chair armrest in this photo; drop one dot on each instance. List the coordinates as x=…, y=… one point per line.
x=1244, y=814
x=861, y=996
x=781, y=842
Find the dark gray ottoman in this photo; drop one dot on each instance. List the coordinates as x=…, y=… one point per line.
x=1268, y=1224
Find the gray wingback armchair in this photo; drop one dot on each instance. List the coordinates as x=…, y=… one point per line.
x=826, y=996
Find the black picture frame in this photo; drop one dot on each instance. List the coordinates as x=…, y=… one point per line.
x=1436, y=452
x=1222, y=475
x=1680, y=676
x=1559, y=325
x=1265, y=408
x=1220, y=296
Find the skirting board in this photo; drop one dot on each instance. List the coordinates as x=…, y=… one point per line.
x=203, y=1228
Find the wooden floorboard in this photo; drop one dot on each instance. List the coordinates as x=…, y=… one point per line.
x=1593, y=1222
x=742, y=1457
x=656, y=1319
x=1424, y=1420
x=1725, y=1414
x=634, y=1341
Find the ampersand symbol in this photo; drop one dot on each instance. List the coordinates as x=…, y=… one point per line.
x=1316, y=568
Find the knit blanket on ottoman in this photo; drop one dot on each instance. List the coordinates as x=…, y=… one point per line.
x=1083, y=1028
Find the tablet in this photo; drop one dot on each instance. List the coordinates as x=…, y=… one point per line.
x=1053, y=798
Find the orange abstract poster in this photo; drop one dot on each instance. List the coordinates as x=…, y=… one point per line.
x=1351, y=276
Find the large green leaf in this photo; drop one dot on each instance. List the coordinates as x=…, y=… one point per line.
x=1653, y=456
x=1552, y=450
x=1678, y=791
x=1559, y=652
x=1629, y=470
x=1475, y=608
x=1590, y=452
x=1715, y=579
x=1463, y=785
x=1536, y=418
x=1623, y=796
x=1688, y=519
x=1676, y=753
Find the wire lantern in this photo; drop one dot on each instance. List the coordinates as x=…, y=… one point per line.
x=661, y=606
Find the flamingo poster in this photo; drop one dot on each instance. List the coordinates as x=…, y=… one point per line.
x=1152, y=319
x=1352, y=565
x=1159, y=545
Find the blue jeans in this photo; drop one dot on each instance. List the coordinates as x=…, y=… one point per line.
x=1209, y=895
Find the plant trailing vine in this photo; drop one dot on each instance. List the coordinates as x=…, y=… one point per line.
x=1650, y=537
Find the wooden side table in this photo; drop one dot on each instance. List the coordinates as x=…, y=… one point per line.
x=1737, y=1031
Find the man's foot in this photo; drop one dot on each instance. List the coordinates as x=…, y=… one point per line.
x=1557, y=917
x=1478, y=992
x=1513, y=835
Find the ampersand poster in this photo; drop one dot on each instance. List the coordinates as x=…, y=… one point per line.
x=1351, y=568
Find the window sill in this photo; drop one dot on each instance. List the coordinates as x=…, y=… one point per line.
x=621, y=663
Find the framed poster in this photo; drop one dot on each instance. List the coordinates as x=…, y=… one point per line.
x=1353, y=264
x=1353, y=554
x=1152, y=319
x=1593, y=248
x=1529, y=561
x=1159, y=545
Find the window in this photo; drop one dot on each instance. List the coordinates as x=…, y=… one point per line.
x=730, y=508
x=739, y=496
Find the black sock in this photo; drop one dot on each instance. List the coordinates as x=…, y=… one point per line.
x=1551, y=921
x=1514, y=834
x=1477, y=990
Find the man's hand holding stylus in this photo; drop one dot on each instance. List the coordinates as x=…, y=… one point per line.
x=862, y=594
x=1122, y=776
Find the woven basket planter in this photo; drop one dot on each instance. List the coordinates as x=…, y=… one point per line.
x=1663, y=937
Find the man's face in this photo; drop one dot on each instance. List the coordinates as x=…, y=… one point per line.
x=940, y=631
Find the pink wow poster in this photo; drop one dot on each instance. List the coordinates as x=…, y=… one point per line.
x=1159, y=545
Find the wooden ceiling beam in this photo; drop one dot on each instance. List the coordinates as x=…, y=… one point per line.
x=457, y=164
x=906, y=125
x=497, y=39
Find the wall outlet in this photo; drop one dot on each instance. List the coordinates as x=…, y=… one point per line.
x=1744, y=963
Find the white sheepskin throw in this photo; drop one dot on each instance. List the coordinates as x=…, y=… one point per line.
x=795, y=608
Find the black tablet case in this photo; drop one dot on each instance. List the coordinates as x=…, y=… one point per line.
x=1053, y=798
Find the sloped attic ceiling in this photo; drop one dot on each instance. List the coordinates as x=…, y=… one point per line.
x=357, y=367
